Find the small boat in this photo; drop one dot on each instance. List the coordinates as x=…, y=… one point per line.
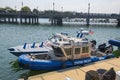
x=114, y=42
x=36, y=47
x=44, y=46
x=30, y=48
x=73, y=52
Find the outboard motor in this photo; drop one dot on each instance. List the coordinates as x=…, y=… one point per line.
x=102, y=47
x=93, y=42
x=109, y=49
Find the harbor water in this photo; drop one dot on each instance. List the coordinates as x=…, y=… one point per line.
x=16, y=34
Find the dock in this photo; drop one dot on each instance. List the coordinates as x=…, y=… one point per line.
x=78, y=73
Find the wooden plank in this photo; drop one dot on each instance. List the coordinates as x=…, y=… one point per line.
x=115, y=62
x=35, y=78
x=87, y=68
x=105, y=65
x=54, y=76
x=81, y=74
x=72, y=74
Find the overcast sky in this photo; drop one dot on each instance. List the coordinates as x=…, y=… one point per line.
x=97, y=6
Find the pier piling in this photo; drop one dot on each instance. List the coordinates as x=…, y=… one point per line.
x=56, y=21
x=118, y=23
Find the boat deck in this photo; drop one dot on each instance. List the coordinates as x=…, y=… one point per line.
x=78, y=73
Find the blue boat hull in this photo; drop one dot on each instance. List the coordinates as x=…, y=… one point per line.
x=26, y=62
x=114, y=42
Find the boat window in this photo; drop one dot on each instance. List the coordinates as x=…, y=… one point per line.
x=85, y=49
x=77, y=50
x=48, y=57
x=41, y=56
x=65, y=40
x=68, y=51
x=60, y=39
x=58, y=52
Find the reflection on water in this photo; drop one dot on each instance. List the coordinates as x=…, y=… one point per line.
x=16, y=68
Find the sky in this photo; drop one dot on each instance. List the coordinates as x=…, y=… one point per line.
x=96, y=6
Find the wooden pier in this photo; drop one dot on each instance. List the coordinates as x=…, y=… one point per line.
x=78, y=73
x=55, y=18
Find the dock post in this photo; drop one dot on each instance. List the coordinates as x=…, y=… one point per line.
x=16, y=20
x=8, y=20
x=88, y=16
x=29, y=20
x=59, y=21
x=118, y=23
x=25, y=20
x=5, y=20
x=32, y=21
x=88, y=21
x=37, y=20
x=21, y=20
x=52, y=21
x=12, y=20
x=55, y=21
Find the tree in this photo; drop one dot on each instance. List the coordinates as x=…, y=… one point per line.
x=9, y=9
x=25, y=9
x=35, y=11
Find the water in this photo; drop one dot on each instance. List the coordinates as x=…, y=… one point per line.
x=13, y=35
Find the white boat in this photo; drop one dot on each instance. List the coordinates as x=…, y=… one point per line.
x=30, y=48
x=42, y=47
x=46, y=45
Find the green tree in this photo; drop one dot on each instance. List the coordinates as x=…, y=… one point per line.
x=25, y=9
x=35, y=11
x=9, y=9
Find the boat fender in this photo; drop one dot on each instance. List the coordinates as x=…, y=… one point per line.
x=93, y=42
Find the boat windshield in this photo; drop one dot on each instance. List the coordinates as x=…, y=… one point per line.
x=40, y=56
x=58, y=52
